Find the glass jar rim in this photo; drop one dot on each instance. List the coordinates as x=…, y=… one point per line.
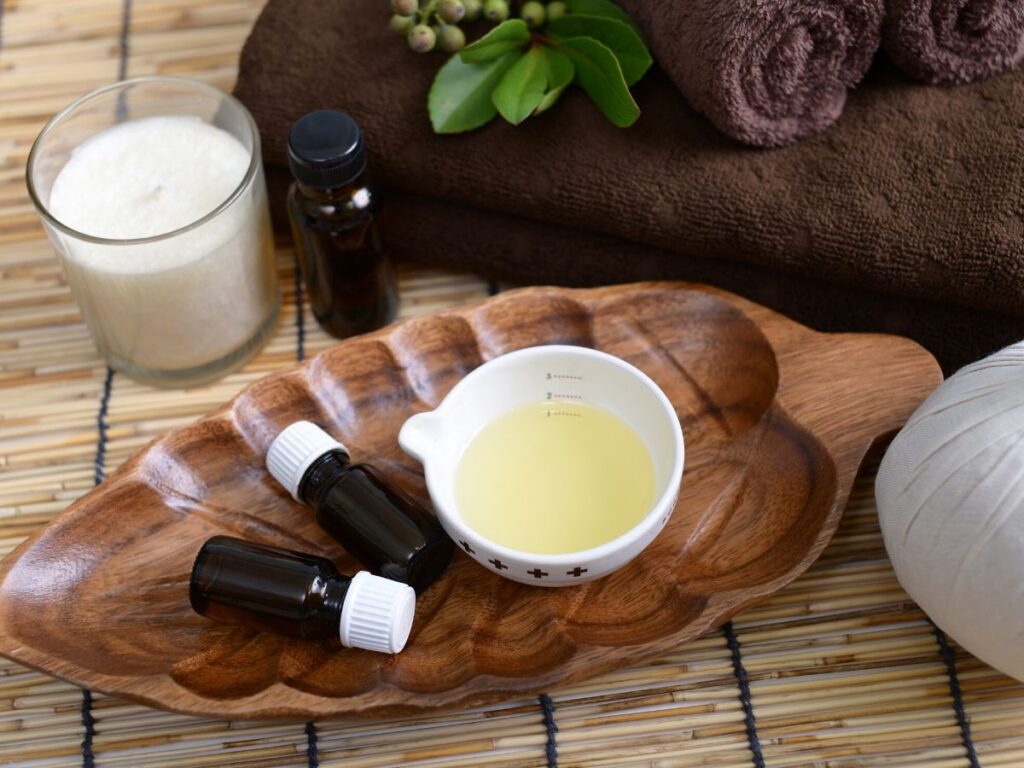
x=250, y=172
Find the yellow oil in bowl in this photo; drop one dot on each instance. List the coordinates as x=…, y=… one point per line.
x=554, y=477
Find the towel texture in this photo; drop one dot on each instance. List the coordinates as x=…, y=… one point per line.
x=917, y=193
x=765, y=73
x=522, y=251
x=952, y=42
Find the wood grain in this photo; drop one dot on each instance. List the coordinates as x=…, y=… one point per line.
x=777, y=419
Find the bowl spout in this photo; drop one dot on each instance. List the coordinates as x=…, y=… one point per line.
x=419, y=433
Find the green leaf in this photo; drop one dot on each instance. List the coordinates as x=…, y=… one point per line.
x=522, y=87
x=621, y=38
x=559, y=73
x=605, y=8
x=508, y=36
x=460, y=97
x=598, y=71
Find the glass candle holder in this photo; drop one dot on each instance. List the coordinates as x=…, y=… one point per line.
x=170, y=300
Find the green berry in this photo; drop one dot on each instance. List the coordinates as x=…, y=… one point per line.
x=496, y=10
x=532, y=13
x=401, y=25
x=473, y=9
x=405, y=7
x=451, y=11
x=421, y=38
x=556, y=10
x=451, y=38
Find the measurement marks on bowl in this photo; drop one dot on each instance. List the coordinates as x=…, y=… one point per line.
x=562, y=378
x=565, y=379
x=565, y=413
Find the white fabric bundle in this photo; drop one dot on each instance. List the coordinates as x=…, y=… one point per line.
x=950, y=495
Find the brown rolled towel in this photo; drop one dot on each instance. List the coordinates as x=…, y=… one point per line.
x=951, y=42
x=765, y=72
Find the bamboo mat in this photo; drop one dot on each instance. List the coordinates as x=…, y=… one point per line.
x=840, y=669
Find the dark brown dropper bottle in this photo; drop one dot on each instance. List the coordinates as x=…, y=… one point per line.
x=278, y=590
x=380, y=525
x=349, y=278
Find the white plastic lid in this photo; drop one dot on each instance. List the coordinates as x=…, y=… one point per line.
x=377, y=614
x=294, y=449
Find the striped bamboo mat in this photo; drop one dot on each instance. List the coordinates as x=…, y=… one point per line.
x=840, y=669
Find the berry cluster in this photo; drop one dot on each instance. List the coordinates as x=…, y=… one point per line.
x=430, y=24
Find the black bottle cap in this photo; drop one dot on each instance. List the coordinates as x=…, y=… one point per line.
x=325, y=149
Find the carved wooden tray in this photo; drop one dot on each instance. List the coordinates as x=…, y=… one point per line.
x=777, y=419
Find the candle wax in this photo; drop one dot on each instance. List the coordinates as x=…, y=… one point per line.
x=180, y=302
x=147, y=177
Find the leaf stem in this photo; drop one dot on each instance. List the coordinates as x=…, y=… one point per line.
x=424, y=13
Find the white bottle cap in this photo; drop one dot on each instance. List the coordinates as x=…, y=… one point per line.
x=377, y=614
x=294, y=449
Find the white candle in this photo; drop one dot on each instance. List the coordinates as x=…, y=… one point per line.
x=176, y=303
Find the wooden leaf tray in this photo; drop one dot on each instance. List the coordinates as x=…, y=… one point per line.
x=777, y=419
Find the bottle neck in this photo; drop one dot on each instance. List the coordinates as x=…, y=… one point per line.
x=335, y=591
x=322, y=474
x=344, y=192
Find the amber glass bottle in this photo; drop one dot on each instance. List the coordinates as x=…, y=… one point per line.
x=349, y=278
x=377, y=523
x=278, y=590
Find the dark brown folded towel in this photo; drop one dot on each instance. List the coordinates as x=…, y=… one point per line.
x=916, y=193
x=765, y=73
x=954, y=41
x=526, y=251
x=523, y=251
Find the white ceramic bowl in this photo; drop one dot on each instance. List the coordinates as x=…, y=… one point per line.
x=438, y=438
